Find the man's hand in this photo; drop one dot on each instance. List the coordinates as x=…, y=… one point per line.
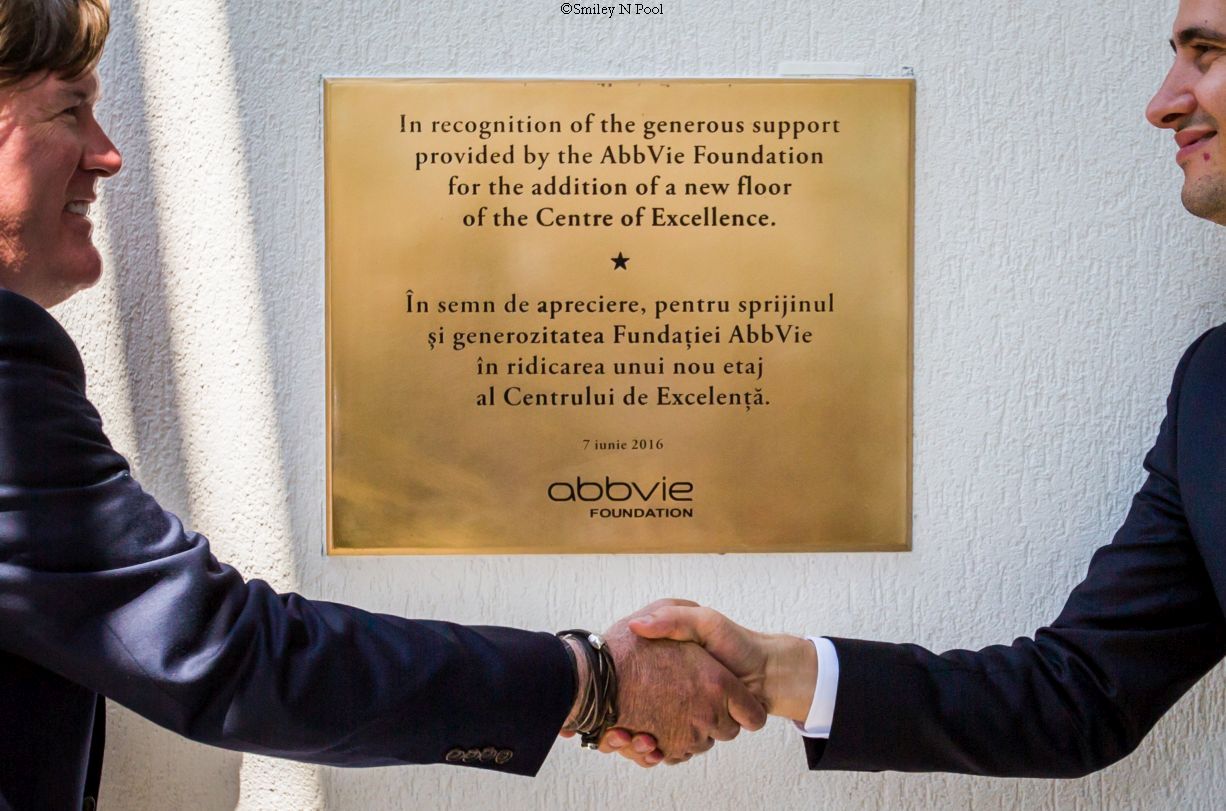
x=780, y=670
x=678, y=693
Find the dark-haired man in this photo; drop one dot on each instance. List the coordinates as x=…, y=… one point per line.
x=1145, y=624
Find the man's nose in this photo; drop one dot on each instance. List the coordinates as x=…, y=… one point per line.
x=101, y=155
x=1174, y=100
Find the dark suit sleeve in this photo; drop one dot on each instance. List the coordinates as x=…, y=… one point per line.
x=102, y=586
x=1141, y=628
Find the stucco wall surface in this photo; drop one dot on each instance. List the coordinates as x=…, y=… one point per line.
x=1056, y=282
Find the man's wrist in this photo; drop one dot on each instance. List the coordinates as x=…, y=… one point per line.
x=582, y=680
x=791, y=676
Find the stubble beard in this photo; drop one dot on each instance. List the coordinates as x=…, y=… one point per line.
x=1205, y=197
x=13, y=254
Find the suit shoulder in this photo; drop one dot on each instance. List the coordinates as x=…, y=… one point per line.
x=29, y=335
x=1205, y=356
x=50, y=434
x=1213, y=341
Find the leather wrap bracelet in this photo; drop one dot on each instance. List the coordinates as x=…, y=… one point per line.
x=598, y=709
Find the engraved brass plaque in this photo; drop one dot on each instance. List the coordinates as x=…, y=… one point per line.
x=628, y=316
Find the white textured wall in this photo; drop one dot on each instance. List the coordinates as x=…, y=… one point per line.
x=1057, y=281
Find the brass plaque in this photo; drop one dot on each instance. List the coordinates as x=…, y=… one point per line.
x=629, y=316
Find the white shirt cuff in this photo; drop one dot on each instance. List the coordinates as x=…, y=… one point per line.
x=821, y=711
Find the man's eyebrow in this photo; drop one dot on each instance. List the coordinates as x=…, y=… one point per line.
x=74, y=94
x=1194, y=33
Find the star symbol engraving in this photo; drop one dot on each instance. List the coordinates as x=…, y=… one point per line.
x=619, y=261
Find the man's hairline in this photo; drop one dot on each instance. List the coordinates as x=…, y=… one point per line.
x=76, y=93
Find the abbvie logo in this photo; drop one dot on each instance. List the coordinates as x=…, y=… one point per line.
x=660, y=491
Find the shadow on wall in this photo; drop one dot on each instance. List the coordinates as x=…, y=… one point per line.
x=134, y=235
x=284, y=178
x=146, y=766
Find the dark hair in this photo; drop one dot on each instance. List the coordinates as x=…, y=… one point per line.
x=64, y=37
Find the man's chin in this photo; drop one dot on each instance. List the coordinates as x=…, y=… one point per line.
x=83, y=276
x=1205, y=197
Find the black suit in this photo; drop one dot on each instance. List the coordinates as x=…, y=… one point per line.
x=102, y=592
x=1142, y=627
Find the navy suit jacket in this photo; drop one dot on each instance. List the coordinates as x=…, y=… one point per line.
x=103, y=593
x=1144, y=625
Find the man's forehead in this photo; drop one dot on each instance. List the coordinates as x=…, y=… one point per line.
x=52, y=90
x=48, y=92
x=85, y=86
x=1193, y=14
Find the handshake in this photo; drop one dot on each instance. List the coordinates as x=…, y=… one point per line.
x=686, y=677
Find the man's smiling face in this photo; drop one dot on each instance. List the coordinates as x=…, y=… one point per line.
x=52, y=152
x=1192, y=103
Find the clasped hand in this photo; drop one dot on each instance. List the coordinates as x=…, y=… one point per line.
x=688, y=677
